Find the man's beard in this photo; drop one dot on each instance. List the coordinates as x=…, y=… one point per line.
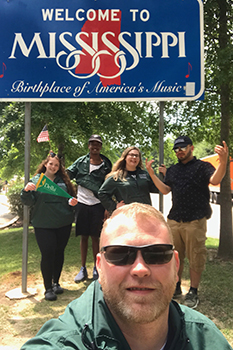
x=138, y=309
x=186, y=156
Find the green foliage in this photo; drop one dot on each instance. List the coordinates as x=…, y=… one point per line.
x=203, y=149
x=70, y=126
x=204, y=120
x=1, y=184
x=13, y=194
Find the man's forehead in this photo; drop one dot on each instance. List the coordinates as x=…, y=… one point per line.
x=122, y=225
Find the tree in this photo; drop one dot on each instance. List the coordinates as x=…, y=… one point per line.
x=70, y=125
x=210, y=119
x=225, y=59
x=219, y=59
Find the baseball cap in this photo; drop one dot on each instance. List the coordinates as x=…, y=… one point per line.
x=95, y=138
x=182, y=141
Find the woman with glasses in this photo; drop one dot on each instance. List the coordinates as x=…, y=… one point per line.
x=127, y=182
x=52, y=217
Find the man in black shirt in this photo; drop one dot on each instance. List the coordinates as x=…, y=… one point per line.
x=188, y=181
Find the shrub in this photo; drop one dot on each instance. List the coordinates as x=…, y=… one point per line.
x=15, y=204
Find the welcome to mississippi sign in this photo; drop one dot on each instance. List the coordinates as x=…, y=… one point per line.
x=101, y=50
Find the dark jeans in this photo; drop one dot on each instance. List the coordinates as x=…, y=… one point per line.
x=52, y=243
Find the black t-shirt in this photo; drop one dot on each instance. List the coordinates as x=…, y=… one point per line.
x=190, y=192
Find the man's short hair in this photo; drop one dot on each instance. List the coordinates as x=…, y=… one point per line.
x=135, y=210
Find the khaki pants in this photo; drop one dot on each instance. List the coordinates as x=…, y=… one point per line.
x=189, y=240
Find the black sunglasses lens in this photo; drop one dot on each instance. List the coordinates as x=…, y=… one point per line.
x=120, y=255
x=157, y=254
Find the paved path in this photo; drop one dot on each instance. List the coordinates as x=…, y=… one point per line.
x=6, y=218
x=213, y=224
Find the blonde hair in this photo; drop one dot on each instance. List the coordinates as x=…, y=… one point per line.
x=119, y=168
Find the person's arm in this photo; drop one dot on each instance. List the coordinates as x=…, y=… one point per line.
x=163, y=169
x=105, y=194
x=72, y=170
x=27, y=194
x=162, y=187
x=219, y=173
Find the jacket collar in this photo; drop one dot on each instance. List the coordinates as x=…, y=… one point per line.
x=102, y=332
x=177, y=338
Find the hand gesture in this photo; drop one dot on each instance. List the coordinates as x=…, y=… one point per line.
x=120, y=204
x=73, y=201
x=163, y=169
x=30, y=187
x=222, y=152
x=149, y=167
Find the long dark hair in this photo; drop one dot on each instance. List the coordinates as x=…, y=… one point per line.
x=61, y=172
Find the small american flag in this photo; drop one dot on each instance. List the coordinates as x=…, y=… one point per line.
x=44, y=135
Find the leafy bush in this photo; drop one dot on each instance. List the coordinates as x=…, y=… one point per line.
x=13, y=194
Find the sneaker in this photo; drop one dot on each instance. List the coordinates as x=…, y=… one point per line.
x=81, y=276
x=50, y=295
x=95, y=274
x=178, y=291
x=57, y=288
x=191, y=299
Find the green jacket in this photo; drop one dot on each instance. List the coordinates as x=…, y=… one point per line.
x=88, y=324
x=48, y=211
x=131, y=190
x=80, y=171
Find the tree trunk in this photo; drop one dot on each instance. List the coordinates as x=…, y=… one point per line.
x=225, y=249
x=60, y=153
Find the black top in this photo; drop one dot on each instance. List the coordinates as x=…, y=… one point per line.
x=190, y=193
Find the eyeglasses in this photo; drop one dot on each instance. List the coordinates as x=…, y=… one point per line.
x=133, y=155
x=180, y=149
x=153, y=254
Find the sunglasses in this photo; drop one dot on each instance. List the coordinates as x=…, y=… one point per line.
x=153, y=254
x=133, y=155
x=180, y=149
x=52, y=155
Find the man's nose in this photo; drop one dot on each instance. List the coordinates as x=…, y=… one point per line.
x=139, y=267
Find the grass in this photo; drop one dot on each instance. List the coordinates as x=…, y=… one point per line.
x=21, y=319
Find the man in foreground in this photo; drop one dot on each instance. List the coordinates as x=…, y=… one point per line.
x=130, y=306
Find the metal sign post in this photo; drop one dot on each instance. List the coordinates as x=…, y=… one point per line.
x=161, y=148
x=26, y=208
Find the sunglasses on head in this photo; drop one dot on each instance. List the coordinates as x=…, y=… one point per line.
x=52, y=155
x=153, y=254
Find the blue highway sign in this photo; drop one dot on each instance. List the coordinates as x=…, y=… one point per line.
x=101, y=50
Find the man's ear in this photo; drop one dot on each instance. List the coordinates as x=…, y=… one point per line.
x=98, y=265
x=176, y=254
